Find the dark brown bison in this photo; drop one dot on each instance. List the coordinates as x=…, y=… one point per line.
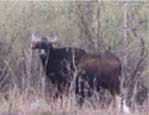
x=96, y=70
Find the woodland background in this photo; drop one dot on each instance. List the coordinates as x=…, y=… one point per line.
x=95, y=26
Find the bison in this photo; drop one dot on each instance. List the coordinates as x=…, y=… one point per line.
x=97, y=70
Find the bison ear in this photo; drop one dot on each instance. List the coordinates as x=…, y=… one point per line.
x=33, y=45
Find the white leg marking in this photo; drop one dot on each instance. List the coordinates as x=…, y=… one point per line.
x=125, y=108
x=118, y=102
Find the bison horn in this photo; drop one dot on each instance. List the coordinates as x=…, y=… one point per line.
x=52, y=37
x=34, y=37
x=55, y=39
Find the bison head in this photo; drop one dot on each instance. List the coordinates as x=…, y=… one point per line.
x=42, y=44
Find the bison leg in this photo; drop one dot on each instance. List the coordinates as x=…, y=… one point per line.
x=119, y=104
x=117, y=101
x=116, y=94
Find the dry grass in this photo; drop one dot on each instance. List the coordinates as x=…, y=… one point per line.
x=33, y=104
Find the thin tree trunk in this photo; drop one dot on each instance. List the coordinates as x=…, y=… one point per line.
x=125, y=42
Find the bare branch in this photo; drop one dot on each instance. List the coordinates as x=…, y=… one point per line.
x=84, y=25
x=143, y=55
x=134, y=77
